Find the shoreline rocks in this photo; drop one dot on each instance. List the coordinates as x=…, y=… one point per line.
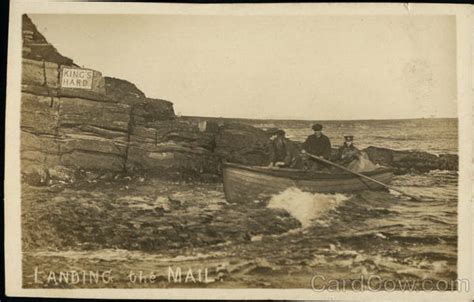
x=412, y=161
x=144, y=215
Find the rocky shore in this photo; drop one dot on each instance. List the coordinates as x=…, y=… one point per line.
x=141, y=214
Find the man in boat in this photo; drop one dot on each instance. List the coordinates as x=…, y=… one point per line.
x=316, y=144
x=347, y=152
x=350, y=156
x=283, y=152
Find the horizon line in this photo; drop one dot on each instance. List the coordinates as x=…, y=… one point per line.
x=307, y=120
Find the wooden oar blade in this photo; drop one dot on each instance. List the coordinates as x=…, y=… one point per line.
x=361, y=175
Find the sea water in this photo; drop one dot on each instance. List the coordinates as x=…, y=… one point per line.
x=398, y=236
x=429, y=135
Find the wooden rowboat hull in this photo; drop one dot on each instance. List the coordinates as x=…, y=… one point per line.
x=248, y=183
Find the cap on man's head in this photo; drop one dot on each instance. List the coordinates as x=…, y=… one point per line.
x=317, y=127
x=349, y=138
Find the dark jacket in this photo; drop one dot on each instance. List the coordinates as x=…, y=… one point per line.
x=346, y=154
x=286, y=152
x=319, y=146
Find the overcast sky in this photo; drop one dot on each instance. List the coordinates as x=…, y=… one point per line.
x=300, y=67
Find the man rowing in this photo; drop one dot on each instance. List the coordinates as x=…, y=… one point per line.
x=316, y=144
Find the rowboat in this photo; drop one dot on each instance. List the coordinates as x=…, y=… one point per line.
x=248, y=183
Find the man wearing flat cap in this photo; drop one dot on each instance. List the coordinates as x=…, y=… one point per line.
x=283, y=152
x=317, y=144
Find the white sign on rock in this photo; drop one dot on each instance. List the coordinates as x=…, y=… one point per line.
x=77, y=78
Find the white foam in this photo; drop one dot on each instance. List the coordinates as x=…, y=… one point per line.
x=305, y=206
x=126, y=255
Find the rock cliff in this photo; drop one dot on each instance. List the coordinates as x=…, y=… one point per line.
x=115, y=127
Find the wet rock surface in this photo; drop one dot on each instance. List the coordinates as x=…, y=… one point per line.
x=411, y=161
x=242, y=144
x=139, y=214
x=36, y=176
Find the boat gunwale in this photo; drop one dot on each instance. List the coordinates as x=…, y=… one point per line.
x=297, y=174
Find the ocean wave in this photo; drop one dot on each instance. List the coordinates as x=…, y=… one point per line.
x=125, y=255
x=305, y=206
x=438, y=219
x=423, y=239
x=434, y=187
x=443, y=173
x=364, y=264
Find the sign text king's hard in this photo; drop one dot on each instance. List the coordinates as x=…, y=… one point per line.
x=76, y=78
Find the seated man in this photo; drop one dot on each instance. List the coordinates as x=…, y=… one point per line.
x=351, y=157
x=347, y=152
x=317, y=144
x=283, y=152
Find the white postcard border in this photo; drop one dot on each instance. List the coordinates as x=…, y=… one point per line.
x=12, y=206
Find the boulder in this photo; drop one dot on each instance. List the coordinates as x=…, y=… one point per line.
x=123, y=91
x=171, y=145
x=35, y=175
x=170, y=157
x=62, y=173
x=163, y=203
x=242, y=144
x=406, y=161
x=152, y=110
x=448, y=162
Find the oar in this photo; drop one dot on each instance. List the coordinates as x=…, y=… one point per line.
x=361, y=175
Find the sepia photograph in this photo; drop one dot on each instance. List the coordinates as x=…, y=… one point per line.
x=240, y=151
